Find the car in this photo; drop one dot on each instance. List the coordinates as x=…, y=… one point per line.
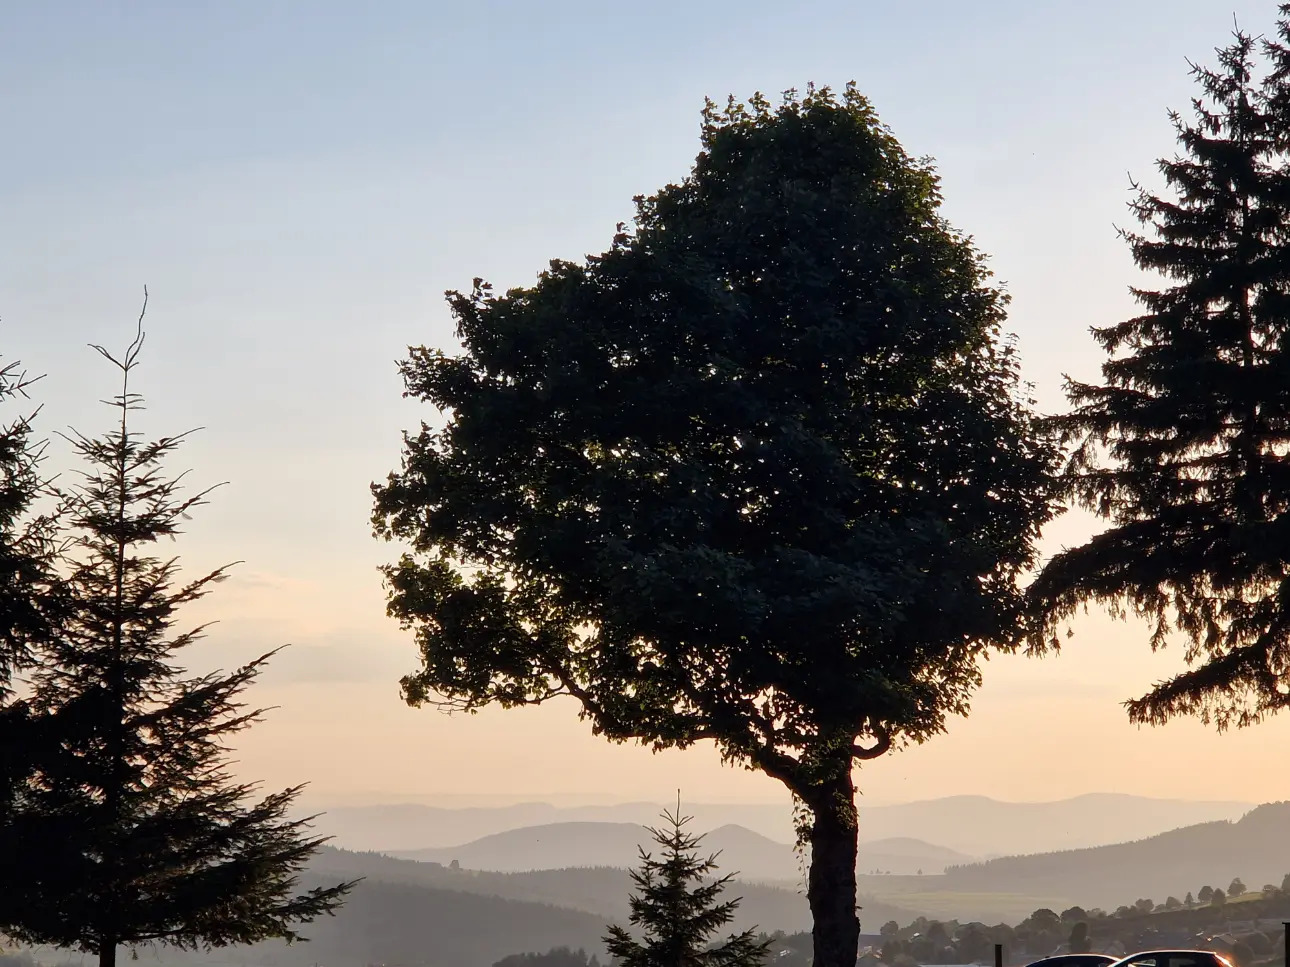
x=1174, y=958
x=1075, y=960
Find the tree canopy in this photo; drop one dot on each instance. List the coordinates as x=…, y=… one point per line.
x=1181, y=446
x=761, y=473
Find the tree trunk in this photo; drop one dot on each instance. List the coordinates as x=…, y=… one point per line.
x=107, y=953
x=831, y=887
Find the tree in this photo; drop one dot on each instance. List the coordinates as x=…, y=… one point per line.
x=555, y=957
x=28, y=589
x=1217, y=898
x=890, y=929
x=1079, y=942
x=1190, y=900
x=1180, y=446
x=678, y=912
x=1285, y=883
x=1043, y=919
x=708, y=482
x=1236, y=888
x=24, y=544
x=1206, y=894
x=1173, y=903
x=135, y=832
x=1073, y=914
x=972, y=945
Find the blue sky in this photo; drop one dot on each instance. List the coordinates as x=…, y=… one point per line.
x=297, y=183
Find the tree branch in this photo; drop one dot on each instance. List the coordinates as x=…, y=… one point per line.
x=881, y=746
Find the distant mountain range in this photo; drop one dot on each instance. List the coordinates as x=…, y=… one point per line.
x=971, y=825
x=751, y=855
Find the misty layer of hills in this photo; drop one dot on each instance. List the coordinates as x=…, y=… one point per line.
x=1256, y=848
x=971, y=825
x=749, y=854
x=405, y=912
x=409, y=912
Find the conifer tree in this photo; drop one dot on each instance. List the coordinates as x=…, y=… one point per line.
x=676, y=908
x=1182, y=445
x=25, y=546
x=136, y=832
x=27, y=589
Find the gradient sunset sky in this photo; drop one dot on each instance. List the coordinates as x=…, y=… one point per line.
x=297, y=183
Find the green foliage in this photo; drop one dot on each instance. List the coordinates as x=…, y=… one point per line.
x=1236, y=888
x=677, y=910
x=26, y=578
x=1206, y=894
x=555, y=957
x=1181, y=446
x=129, y=828
x=1079, y=942
x=25, y=549
x=762, y=473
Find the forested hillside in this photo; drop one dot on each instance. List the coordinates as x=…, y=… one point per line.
x=1255, y=848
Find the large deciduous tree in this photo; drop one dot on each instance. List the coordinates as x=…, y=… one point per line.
x=129, y=829
x=761, y=473
x=1182, y=445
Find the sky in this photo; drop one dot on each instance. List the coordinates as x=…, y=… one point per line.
x=298, y=183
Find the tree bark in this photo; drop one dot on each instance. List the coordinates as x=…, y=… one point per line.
x=107, y=953
x=831, y=886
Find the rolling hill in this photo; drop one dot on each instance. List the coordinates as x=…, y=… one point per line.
x=753, y=856
x=423, y=915
x=1256, y=848
x=972, y=825
x=602, y=891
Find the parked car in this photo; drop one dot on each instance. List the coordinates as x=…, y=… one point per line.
x=1075, y=960
x=1174, y=958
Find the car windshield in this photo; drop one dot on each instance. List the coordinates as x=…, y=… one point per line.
x=1174, y=958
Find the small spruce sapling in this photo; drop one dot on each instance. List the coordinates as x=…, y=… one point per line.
x=677, y=910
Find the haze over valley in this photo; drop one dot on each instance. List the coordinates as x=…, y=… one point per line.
x=450, y=453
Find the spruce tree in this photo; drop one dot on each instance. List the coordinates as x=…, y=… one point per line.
x=136, y=832
x=676, y=908
x=25, y=547
x=1181, y=446
x=27, y=587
